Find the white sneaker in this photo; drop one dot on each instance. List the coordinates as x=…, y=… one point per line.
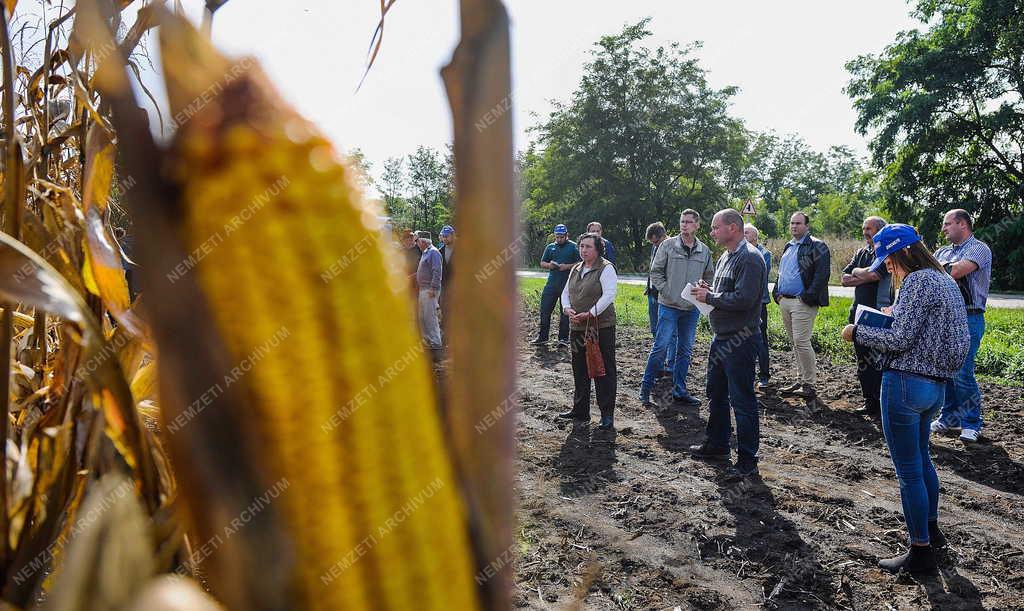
x=941, y=427
x=969, y=436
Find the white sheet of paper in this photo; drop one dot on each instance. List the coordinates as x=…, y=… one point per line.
x=704, y=308
x=863, y=308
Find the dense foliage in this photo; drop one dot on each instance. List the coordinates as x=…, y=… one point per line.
x=645, y=136
x=945, y=111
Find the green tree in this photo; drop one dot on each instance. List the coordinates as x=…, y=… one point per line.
x=430, y=183
x=643, y=136
x=787, y=164
x=392, y=185
x=945, y=111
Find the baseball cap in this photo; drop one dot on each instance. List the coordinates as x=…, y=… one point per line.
x=447, y=230
x=889, y=239
x=561, y=229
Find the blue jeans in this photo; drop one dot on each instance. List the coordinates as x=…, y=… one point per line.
x=909, y=403
x=652, y=314
x=730, y=382
x=963, y=397
x=549, y=300
x=680, y=325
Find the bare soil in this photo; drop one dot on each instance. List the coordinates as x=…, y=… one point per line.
x=629, y=521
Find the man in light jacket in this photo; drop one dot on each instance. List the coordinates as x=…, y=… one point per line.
x=679, y=260
x=428, y=280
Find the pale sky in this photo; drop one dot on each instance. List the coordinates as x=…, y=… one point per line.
x=786, y=56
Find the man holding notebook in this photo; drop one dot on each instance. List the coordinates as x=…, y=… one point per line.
x=873, y=290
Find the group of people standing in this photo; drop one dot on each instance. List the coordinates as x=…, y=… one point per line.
x=916, y=374
x=429, y=269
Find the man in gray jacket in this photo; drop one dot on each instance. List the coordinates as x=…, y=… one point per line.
x=679, y=260
x=736, y=324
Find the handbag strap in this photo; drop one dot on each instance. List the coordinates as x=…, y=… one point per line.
x=587, y=332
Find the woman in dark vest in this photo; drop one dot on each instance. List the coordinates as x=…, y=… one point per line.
x=587, y=300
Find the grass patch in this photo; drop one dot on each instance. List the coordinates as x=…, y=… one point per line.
x=1000, y=358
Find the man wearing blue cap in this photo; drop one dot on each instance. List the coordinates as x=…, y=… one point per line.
x=447, y=250
x=558, y=259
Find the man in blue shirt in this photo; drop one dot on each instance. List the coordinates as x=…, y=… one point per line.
x=751, y=235
x=969, y=261
x=802, y=288
x=609, y=249
x=558, y=258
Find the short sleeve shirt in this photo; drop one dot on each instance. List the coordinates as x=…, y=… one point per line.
x=974, y=285
x=872, y=294
x=564, y=253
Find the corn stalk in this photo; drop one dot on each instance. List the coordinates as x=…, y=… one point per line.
x=478, y=81
x=12, y=213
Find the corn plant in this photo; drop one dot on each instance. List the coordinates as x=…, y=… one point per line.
x=257, y=427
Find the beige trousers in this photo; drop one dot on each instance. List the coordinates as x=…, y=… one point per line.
x=798, y=318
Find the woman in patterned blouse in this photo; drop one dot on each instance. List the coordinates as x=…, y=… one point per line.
x=925, y=346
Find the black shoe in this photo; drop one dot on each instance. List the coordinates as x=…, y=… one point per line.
x=607, y=424
x=686, y=401
x=870, y=408
x=706, y=452
x=918, y=559
x=741, y=471
x=571, y=415
x=935, y=536
x=806, y=391
x=646, y=400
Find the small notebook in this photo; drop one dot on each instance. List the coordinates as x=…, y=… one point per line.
x=871, y=317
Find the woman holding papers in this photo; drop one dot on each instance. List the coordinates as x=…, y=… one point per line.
x=923, y=347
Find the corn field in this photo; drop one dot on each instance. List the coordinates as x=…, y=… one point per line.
x=233, y=428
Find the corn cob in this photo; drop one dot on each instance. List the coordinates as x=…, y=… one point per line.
x=289, y=250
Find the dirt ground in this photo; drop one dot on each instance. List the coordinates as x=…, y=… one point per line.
x=630, y=521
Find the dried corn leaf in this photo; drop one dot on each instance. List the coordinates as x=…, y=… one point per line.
x=103, y=274
x=26, y=278
x=144, y=383
x=110, y=560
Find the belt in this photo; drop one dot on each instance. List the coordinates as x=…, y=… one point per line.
x=788, y=296
x=975, y=310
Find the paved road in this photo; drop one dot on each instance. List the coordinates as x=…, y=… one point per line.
x=995, y=300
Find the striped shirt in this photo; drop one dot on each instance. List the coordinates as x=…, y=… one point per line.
x=974, y=285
